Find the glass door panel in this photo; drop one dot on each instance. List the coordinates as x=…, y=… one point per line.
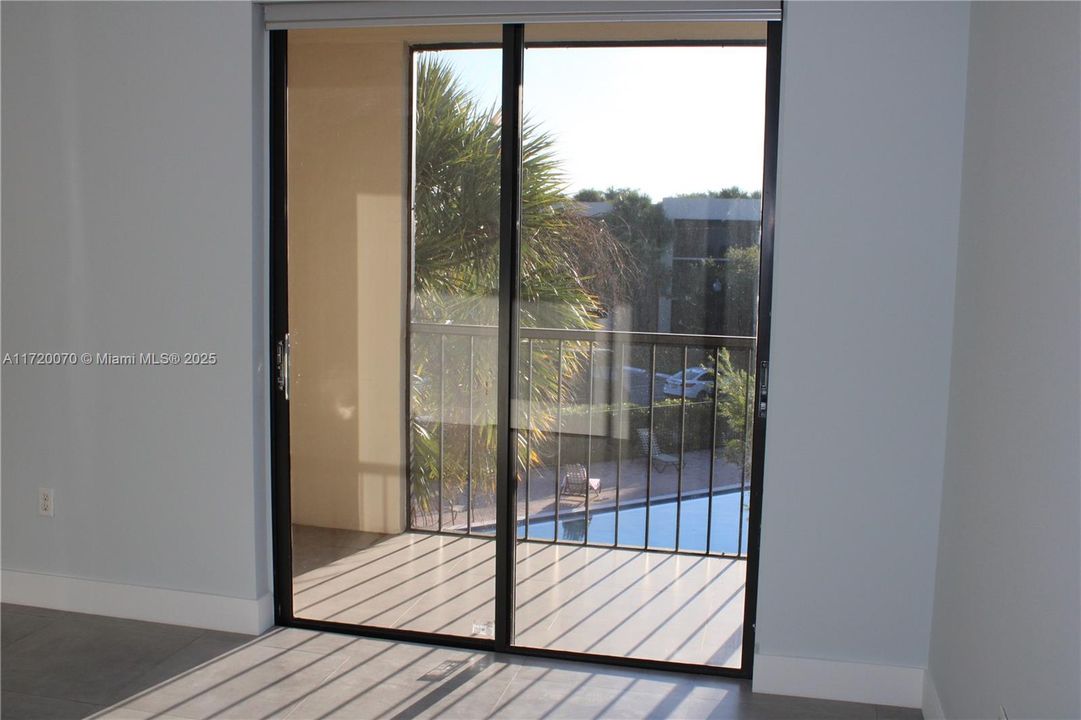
x=625, y=532
x=393, y=244
x=641, y=226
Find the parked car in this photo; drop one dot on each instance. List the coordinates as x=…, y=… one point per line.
x=636, y=384
x=699, y=383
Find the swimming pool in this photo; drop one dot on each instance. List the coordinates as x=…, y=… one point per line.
x=694, y=518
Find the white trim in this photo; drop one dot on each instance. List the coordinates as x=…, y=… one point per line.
x=137, y=602
x=932, y=704
x=833, y=680
x=284, y=14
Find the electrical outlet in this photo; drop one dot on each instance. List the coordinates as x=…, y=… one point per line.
x=1002, y=713
x=45, y=502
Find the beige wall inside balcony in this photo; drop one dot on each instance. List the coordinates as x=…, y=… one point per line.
x=348, y=129
x=348, y=160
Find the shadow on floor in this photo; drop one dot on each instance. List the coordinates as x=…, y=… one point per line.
x=67, y=665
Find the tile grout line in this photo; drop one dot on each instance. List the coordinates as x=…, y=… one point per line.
x=154, y=667
x=319, y=685
x=513, y=677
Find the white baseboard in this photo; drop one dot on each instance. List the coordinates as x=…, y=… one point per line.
x=833, y=680
x=932, y=705
x=137, y=602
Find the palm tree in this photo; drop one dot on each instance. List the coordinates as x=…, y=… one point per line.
x=567, y=261
x=456, y=214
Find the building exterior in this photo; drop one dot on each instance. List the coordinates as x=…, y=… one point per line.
x=694, y=260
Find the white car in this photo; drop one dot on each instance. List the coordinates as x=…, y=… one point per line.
x=699, y=383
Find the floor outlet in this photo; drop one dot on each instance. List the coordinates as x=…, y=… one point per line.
x=484, y=629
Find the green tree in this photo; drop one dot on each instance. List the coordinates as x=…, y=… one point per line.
x=734, y=398
x=567, y=264
x=456, y=215
x=589, y=195
x=731, y=193
x=644, y=232
x=741, y=289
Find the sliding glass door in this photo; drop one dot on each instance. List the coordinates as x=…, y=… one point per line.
x=520, y=383
x=393, y=247
x=640, y=260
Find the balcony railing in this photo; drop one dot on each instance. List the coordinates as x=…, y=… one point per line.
x=624, y=439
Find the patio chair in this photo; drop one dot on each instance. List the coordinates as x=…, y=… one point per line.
x=577, y=483
x=458, y=505
x=660, y=459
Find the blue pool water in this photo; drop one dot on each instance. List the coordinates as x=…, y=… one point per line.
x=693, y=519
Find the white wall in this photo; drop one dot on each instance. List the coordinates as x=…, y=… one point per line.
x=133, y=222
x=872, y=114
x=1007, y=619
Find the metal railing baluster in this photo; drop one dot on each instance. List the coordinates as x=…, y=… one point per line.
x=619, y=429
x=748, y=404
x=469, y=452
x=649, y=453
x=559, y=438
x=442, y=406
x=682, y=432
x=589, y=443
x=529, y=433
x=712, y=450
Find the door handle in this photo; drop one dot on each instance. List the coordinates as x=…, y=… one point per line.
x=282, y=362
x=763, y=387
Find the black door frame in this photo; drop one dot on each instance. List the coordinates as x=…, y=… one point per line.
x=510, y=216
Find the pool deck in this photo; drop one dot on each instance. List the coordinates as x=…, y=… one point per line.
x=620, y=602
x=663, y=482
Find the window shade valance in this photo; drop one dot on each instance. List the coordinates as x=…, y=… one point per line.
x=302, y=14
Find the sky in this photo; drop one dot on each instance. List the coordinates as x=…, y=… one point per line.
x=664, y=120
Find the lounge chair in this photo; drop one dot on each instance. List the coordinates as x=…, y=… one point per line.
x=660, y=459
x=577, y=483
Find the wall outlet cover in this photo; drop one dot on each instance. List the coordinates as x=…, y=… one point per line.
x=46, y=502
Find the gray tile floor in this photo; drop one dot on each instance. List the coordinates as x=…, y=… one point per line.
x=65, y=665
